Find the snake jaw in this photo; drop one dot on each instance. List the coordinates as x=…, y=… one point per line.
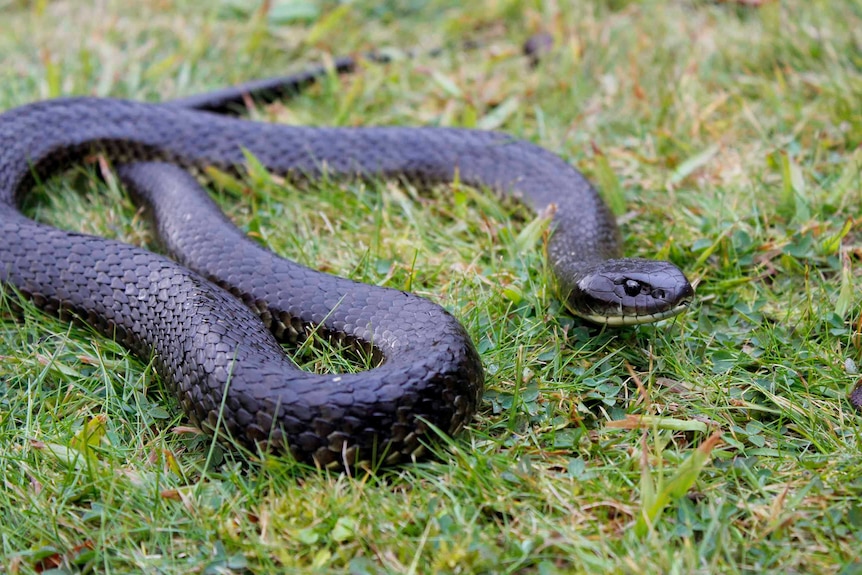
x=627, y=321
x=628, y=292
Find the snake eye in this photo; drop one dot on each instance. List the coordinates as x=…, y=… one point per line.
x=632, y=287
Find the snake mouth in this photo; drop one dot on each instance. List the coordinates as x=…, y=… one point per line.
x=630, y=320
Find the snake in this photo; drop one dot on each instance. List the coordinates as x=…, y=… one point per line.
x=212, y=314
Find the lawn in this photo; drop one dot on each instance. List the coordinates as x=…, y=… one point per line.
x=727, y=137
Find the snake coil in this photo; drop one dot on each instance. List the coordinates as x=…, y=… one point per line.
x=212, y=332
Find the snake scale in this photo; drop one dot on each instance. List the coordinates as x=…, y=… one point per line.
x=213, y=333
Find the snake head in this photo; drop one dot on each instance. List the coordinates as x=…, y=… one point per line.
x=630, y=291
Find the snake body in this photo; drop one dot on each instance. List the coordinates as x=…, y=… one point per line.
x=208, y=342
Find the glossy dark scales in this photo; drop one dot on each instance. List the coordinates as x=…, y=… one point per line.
x=215, y=347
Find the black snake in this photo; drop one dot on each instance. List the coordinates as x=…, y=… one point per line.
x=211, y=348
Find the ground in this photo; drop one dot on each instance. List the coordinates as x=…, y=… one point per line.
x=725, y=135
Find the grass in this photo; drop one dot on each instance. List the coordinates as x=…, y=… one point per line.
x=733, y=136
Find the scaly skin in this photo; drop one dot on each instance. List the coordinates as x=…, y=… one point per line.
x=223, y=363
